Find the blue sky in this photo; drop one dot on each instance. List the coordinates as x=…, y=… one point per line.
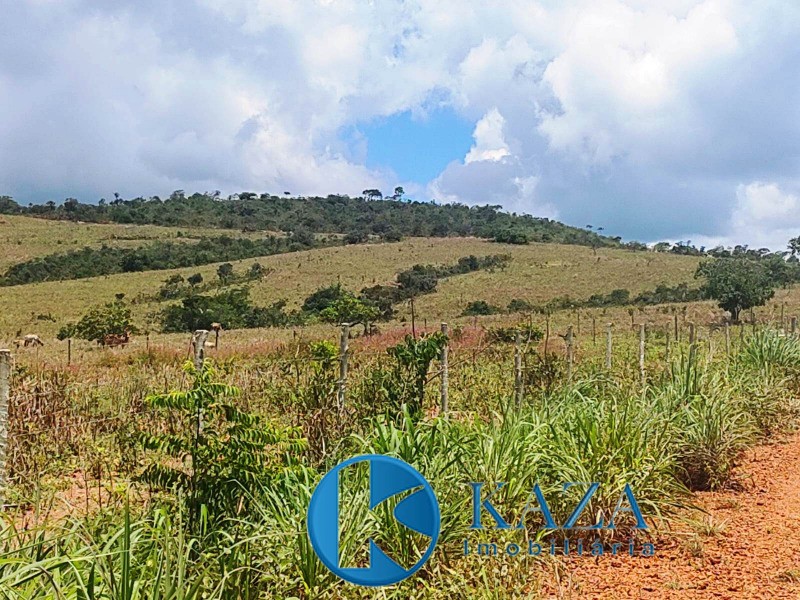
x=417, y=149
x=670, y=120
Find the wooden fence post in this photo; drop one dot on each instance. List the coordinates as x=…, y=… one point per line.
x=445, y=375
x=5, y=392
x=570, y=353
x=794, y=325
x=608, y=346
x=546, y=332
x=342, y=384
x=518, y=390
x=594, y=331
x=666, y=346
x=691, y=341
x=69, y=351
x=677, y=334
x=727, y=339
x=641, y=353
x=199, y=340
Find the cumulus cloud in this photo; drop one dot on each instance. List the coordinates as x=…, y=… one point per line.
x=649, y=119
x=490, y=143
x=764, y=216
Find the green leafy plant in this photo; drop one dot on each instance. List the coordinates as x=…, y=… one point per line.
x=216, y=455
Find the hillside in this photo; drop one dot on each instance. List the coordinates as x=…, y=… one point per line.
x=24, y=238
x=390, y=218
x=537, y=273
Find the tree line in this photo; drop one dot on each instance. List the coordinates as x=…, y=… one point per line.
x=372, y=214
x=157, y=256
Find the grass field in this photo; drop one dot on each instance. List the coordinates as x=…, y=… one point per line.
x=23, y=238
x=537, y=272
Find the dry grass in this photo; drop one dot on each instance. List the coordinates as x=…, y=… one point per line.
x=23, y=238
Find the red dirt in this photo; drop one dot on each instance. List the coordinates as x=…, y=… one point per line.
x=755, y=555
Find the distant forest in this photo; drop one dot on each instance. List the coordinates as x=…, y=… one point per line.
x=390, y=218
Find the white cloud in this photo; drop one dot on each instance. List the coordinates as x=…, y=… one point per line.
x=490, y=143
x=633, y=115
x=764, y=216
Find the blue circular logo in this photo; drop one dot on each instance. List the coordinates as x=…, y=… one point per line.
x=388, y=477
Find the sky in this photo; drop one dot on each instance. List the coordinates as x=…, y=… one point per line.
x=669, y=120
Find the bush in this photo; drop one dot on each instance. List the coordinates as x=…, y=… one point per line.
x=110, y=320
x=478, y=308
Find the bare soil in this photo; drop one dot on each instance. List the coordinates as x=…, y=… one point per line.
x=743, y=543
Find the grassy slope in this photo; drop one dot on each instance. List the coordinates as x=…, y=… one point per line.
x=23, y=238
x=537, y=272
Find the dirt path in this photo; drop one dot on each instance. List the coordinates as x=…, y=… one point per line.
x=747, y=546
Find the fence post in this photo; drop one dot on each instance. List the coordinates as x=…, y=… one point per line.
x=666, y=346
x=641, y=353
x=594, y=331
x=608, y=346
x=677, y=335
x=342, y=388
x=570, y=354
x=69, y=351
x=794, y=325
x=518, y=391
x=691, y=341
x=546, y=332
x=783, y=320
x=445, y=375
x=5, y=376
x=579, y=322
x=199, y=342
x=727, y=339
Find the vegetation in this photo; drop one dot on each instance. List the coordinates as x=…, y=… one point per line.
x=737, y=284
x=112, y=321
x=248, y=474
x=370, y=215
x=90, y=262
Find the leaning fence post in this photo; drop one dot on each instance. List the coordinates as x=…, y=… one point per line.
x=570, y=355
x=518, y=391
x=641, y=352
x=343, y=340
x=445, y=375
x=5, y=376
x=608, y=346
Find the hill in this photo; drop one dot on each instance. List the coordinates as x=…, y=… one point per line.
x=25, y=238
x=537, y=273
x=357, y=217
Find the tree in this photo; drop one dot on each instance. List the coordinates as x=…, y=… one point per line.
x=352, y=310
x=112, y=319
x=212, y=452
x=736, y=284
x=225, y=272
x=372, y=194
x=194, y=280
x=794, y=246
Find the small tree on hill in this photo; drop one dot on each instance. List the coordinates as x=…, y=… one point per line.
x=352, y=310
x=736, y=284
x=112, y=319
